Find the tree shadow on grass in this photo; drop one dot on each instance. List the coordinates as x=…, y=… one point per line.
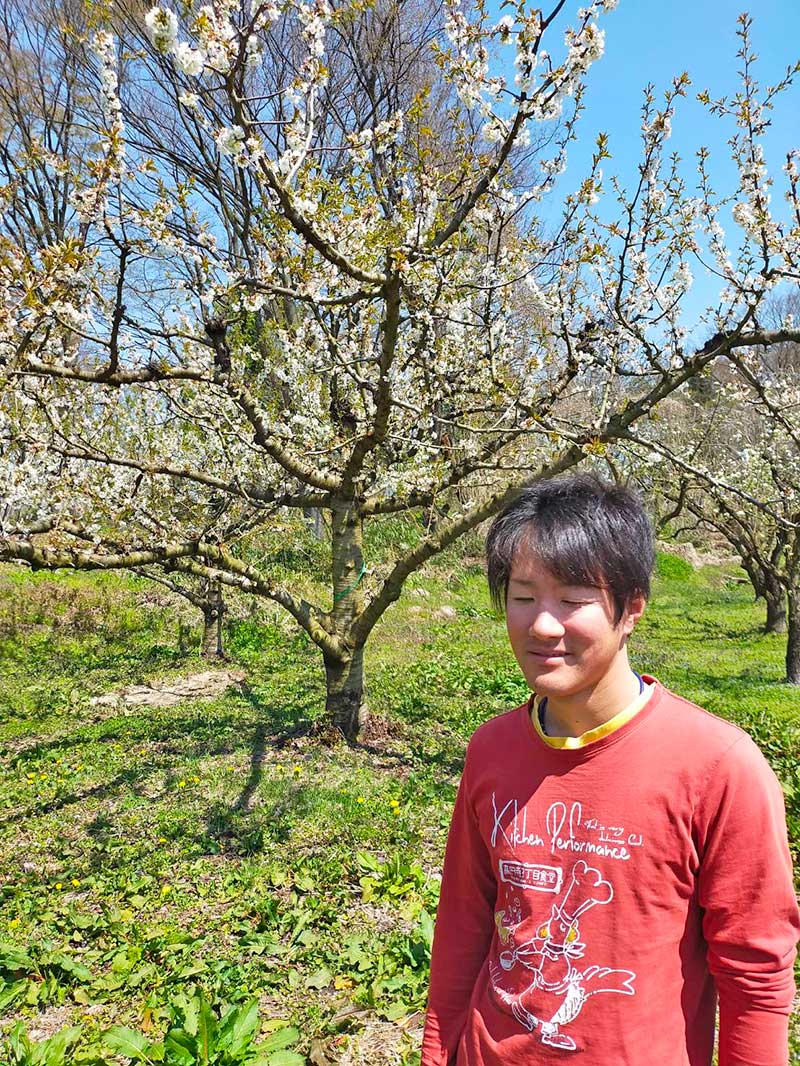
x=752, y=679
x=257, y=751
x=100, y=791
x=189, y=735
x=238, y=830
x=141, y=729
x=296, y=718
x=195, y=720
x=449, y=760
x=256, y=724
x=134, y=779
x=227, y=824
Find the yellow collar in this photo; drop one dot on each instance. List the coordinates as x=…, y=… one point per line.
x=599, y=731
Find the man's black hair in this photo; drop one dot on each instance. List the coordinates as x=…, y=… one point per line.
x=582, y=529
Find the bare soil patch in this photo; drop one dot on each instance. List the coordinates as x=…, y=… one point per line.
x=168, y=693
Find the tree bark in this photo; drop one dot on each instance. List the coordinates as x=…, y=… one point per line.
x=776, y=609
x=754, y=572
x=793, y=641
x=345, y=703
x=212, y=646
x=771, y=591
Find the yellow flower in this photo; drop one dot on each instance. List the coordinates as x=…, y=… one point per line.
x=195, y=780
x=396, y=810
x=181, y=784
x=165, y=891
x=75, y=881
x=297, y=769
x=162, y=840
x=394, y=803
x=360, y=799
x=14, y=923
x=59, y=885
x=279, y=766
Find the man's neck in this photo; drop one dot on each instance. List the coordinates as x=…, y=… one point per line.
x=575, y=715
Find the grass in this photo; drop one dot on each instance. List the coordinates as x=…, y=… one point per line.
x=163, y=867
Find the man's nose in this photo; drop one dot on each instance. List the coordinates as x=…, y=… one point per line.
x=545, y=624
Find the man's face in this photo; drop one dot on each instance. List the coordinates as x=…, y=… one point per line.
x=564, y=636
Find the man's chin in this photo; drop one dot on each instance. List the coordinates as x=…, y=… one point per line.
x=547, y=686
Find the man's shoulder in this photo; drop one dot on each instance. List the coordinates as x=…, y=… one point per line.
x=496, y=733
x=704, y=737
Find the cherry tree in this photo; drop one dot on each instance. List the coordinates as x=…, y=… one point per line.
x=306, y=265
x=728, y=465
x=773, y=395
x=716, y=484
x=752, y=533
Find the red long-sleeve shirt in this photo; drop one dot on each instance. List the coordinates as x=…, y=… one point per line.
x=597, y=900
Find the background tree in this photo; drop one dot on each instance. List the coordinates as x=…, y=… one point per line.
x=207, y=596
x=770, y=376
x=707, y=432
x=758, y=540
x=732, y=471
x=271, y=294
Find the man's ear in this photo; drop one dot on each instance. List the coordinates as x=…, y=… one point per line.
x=633, y=612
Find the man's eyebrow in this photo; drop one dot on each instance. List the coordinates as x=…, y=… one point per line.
x=564, y=584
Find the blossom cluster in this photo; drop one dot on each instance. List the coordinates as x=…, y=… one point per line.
x=378, y=139
x=233, y=141
x=91, y=199
x=215, y=32
x=541, y=85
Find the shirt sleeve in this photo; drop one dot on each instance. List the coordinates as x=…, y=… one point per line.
x=463, y=933
x=750, y=919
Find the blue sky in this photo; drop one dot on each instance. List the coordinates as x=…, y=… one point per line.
x=654, y=40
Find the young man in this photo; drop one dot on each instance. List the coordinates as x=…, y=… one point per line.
x=617, y=859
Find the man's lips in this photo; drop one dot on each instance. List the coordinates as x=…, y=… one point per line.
x=547, y=654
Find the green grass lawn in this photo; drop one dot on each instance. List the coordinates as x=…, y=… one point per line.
x=213, y=870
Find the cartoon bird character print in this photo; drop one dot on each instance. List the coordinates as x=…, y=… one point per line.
x=558, y=990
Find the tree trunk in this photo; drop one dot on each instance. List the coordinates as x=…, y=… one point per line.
x=793, y=642
x=315, y=522
x=346, y=703
x=771, y=591
x=776, y=609
x=211, y=646
x=755, y=573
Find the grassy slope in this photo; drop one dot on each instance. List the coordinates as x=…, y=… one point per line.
x=144, y=854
